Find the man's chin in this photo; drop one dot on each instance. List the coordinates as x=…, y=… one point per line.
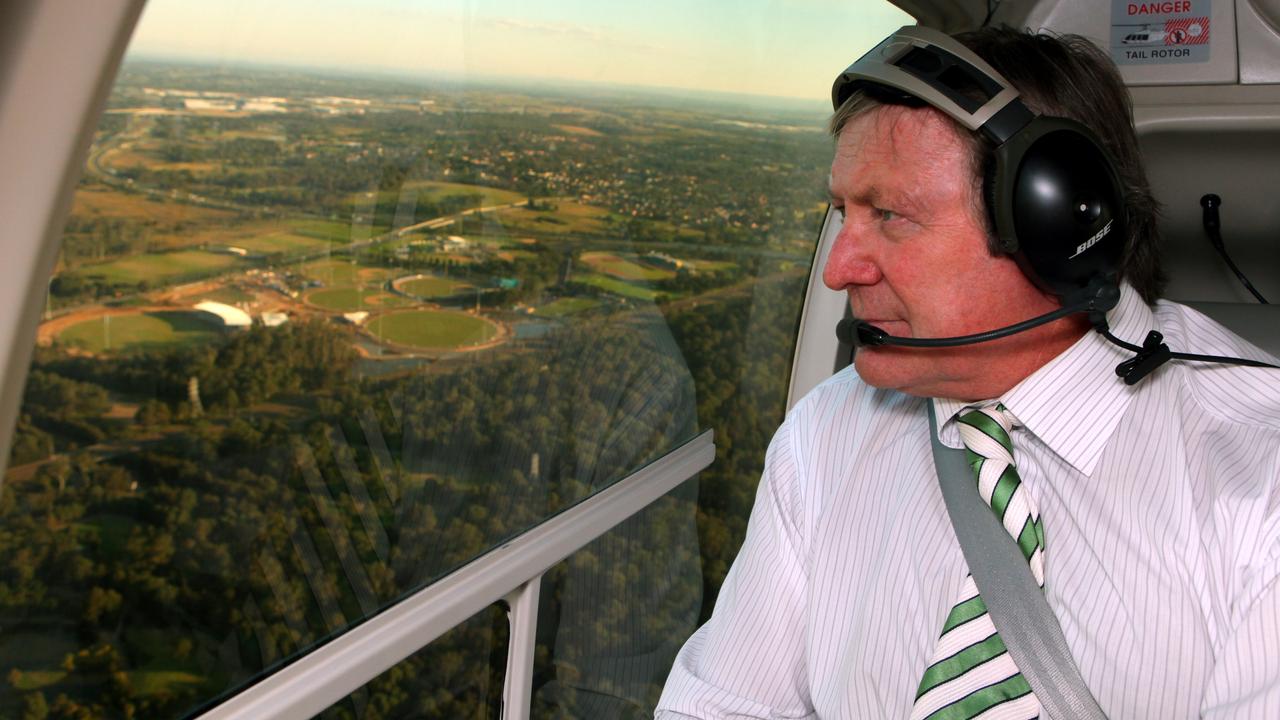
x=895, y=369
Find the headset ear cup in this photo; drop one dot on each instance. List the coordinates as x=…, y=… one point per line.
x=1068, y=209
x=1058, y=204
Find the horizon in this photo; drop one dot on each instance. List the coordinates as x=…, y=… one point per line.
x=533, y=85
x=788, y=50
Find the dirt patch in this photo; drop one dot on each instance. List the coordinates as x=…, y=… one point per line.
x=579, y=130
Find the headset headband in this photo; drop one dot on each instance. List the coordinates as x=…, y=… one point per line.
x=930, y=65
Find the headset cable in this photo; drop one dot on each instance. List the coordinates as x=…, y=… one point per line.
x=1213, y=228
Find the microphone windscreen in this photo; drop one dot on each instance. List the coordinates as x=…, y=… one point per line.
x=845, y=331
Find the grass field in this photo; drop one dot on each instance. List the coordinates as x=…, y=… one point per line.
x=228, y=294
x=431, y=329
x=111, y=531
x=145, y=331
x=567, y=306
x=435, y=191
x=391, y=205
x=276, y=241
x=578, y=130
x=431, y=287
x=152, y=682
x=143, y=682
x=332, y=272
x=617, y=287
x=344, y=299
x=388, y=300
x=340, y=273
x=568, y=217
x=98, y=201
x=28, y=680
x=624, y=268
x=158, y=268
x=327, y=230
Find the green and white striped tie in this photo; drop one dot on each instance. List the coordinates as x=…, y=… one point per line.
x=972, y=674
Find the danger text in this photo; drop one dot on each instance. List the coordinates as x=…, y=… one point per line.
x=1160, y=8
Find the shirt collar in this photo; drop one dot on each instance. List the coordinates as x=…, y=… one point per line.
x=1075, y=401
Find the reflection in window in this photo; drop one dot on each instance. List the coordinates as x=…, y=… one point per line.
x=460, y=675
x=316, y=338
x=614, y=615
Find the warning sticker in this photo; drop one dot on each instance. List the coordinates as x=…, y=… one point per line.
x=1153, y=33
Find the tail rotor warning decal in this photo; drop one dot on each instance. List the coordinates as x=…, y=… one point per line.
x=1186, y=31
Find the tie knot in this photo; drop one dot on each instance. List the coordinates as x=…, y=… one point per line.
x=985, y=431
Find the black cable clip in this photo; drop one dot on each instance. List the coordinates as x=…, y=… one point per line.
x=1153, y=354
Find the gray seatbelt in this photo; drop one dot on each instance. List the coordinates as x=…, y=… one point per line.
x=1015, y=603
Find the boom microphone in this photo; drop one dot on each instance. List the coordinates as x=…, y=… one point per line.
x=1097, y=298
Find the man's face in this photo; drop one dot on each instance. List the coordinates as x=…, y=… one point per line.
x=912, y=256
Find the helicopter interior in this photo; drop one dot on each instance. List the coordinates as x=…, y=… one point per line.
x=167, y=216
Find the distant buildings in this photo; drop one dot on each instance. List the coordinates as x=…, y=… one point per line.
x=274, y=319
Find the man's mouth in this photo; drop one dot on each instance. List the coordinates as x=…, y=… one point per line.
x=898, y=328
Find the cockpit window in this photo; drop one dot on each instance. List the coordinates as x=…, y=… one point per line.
x=352, y=294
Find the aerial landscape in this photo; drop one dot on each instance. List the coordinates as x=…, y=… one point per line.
x=313, y=341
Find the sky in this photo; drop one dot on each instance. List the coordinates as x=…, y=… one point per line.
x=782, y=48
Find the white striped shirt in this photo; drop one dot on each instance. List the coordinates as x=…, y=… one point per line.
x=1161, y=508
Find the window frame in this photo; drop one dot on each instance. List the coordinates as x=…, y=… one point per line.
x=51, y=100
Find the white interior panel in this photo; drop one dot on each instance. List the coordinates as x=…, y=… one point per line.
x=816, y=344
x=1093, y=19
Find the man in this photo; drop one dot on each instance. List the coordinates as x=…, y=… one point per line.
x=1158, y=503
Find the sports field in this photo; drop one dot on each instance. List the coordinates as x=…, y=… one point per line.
x=387, y=300
x=617, y=287
x=432, y=329
x=428, y=286
x=159, y=268
x=332, y=272
x=567, y=306
x=343, y=299
x=144, y=331
x=624, y=267
x=339, y=273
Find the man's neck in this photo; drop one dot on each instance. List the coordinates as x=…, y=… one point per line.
x=990, y=370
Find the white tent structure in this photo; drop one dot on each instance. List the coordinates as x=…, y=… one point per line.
x=226, y=315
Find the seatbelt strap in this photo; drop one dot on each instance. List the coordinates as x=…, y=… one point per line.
x=1017, y=605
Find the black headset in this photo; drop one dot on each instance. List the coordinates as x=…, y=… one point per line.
x=1051, y=189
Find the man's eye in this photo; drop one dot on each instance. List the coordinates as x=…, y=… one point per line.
x=885, y=215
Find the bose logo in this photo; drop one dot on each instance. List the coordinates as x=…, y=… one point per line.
x=1094, y=240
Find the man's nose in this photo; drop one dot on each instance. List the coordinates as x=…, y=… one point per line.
x=851, y=261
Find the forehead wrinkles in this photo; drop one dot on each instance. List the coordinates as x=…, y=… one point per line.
x=922, y=133
x=916, y=147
